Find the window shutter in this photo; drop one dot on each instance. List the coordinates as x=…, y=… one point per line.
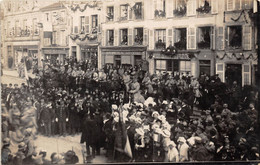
x=191, y=7
x=213, y=38
x=230, y=5
x=220, y=38
x=130, y=13
x=87, y=24
x=169, y=8
x=104, y=40
x=76, y=29
x=116, y=12
x=130, y=37
x=247, y=31
x=214, y=6
x=99, y=23
x=191, y=38
x=170, y=40
x=116, y=38
x=246, y=74
x=220, y=70
x=145, y=36
x=151, y=39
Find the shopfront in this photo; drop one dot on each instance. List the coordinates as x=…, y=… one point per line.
x=55, y=55
x=184, y=62
x=28, y=53
x=238, y=66
x=89, y=53
x=123, y=56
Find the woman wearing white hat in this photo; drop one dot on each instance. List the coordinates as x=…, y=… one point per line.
x=183, y=149
x=172, y=155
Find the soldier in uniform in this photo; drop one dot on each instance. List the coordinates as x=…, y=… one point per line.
x=62, y=114
x=46, y=118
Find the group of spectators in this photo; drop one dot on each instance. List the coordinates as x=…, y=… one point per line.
x=168, y=117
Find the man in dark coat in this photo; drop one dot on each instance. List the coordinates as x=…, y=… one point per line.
x=62, y=114
x=200, y=153
x=87, y=133
x=46, y=117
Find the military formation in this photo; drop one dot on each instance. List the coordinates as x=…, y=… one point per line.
x=167, y=117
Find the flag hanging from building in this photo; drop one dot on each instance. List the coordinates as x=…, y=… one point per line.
x=122, y=143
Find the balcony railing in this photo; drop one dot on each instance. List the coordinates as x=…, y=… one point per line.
x=138, y=40
x=204, y=45
x=160, y=45
x=205, y=9
x=181, y=45
x=159, y=13
x=180, y=11
x=110, y=42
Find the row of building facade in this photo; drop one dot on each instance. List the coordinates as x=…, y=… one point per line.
x=208, y=36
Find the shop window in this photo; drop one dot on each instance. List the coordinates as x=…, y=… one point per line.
x=235, y=37
x=94, y=23
x=185, y=66
x=239, y=4
x=169, y=65
x=180, y=8
x=205, y=67
x=204, y=37
x=110, y=13
x=138, y=10
x=159, y=9
x=117, y=60
x=123, y=36
x=160, y=64
x=139, y=36
x=180, y=39
x=110, y=36
x=123, y=12
x=160, y=38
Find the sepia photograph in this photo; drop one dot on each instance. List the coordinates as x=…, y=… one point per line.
x=129, y=81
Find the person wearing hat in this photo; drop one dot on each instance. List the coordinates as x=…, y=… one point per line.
x=200, y=153
x=135, y=92
x=62, y=117
x=183, y=148
x=6, y=154
x=172, y=154
x=70, y=157
x=46, y=117
x=20, y=155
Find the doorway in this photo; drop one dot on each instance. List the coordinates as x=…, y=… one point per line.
x=234, y=73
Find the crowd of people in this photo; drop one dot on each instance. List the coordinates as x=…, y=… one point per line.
x=166, y=117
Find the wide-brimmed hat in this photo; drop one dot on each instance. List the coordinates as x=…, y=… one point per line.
x=181, y=139
x=166, y=133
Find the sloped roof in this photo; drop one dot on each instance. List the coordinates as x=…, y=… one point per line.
x=54, y=6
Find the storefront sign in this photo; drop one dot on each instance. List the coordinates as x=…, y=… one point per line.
x=184, y=56
x=55, y=51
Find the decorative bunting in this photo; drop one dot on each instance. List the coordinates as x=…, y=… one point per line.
x=83, y=37
x=83, y=7
x=238, y=56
